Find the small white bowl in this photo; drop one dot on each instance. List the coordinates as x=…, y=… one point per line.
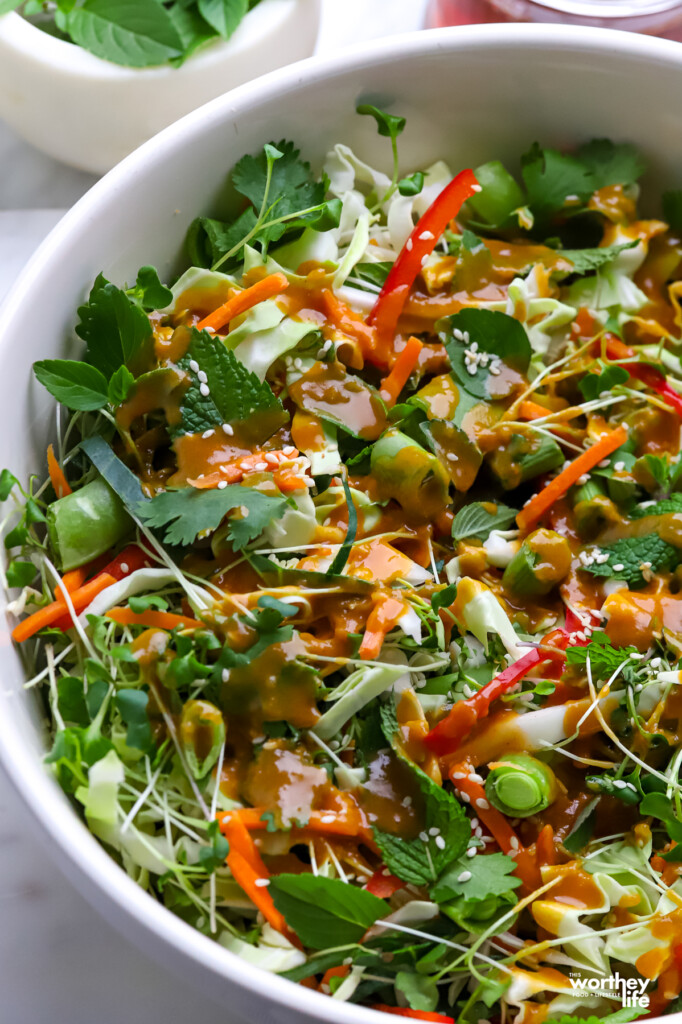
x=90, y=113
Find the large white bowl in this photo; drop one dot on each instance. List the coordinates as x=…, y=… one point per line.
x=469, y=95
x=91, y=113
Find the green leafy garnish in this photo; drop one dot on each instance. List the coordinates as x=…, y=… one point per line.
x=135, y=33
x=605, y=657
x=388, y=125
x=213, y=856
x=635, y=559
x=325, y=912
x=231, y=393
x=497, y=337
x=149, y=292
x=551, y=177
x=490, y=875
x=132, y=705
x=188, y=512
x=475, y=520
x=76, y=385
x=593, y=385
x=114, y=328
x=586, y=260
x=412, y=184
x=341, y=557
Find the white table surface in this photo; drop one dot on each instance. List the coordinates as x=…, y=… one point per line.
x=60, y=962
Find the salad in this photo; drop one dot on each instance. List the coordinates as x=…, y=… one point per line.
x=354, y=586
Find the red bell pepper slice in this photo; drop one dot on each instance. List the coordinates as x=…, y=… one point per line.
x=645, y=373
x=445, y=737
x=383, y=885
x=129, y=560
x=421, y=243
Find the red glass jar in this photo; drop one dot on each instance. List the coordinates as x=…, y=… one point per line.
x=653, y=17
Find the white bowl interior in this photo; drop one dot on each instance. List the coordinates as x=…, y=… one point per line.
x=468, y=95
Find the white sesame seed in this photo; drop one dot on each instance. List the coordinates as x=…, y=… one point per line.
x=476, y=778
x=205, y=390
x=424, y=260
x=262, y=883
x=451, y=457
x=260, y=467
x=194, y=366
x=225, y=674
x=289, y=450
x=465, y=798
x=464, y=877
x=245, y=466
x=458, y=775
x=471, y=852
x=409, y=245
x=514, y=843
x=328, y=819
x=203, y=379
x=440, y=842
x=482, y=804
x=618, y=567
x=434, y=831
x=208, y=433
x=407, y=802
x=619, y=466
x=476, y=188
x=474, y=822
x=655, y=662
x=426, y=236
x=210, y=330
x=222, y=484
x=619, y=784
x=228, y=429
x=424, y=837
x=124, y=567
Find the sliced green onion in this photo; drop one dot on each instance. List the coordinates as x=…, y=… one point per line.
x=202, y=734
x=521, y=785
x=541, y=562
x=500, y=195
x=410, y=475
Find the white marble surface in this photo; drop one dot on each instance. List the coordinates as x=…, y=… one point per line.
x=59, y=961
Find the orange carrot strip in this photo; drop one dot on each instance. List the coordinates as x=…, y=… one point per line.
x=393, y=384
x=351, y=323
x=333, y=972
x=533, y=411
x=235, y=831
x=247, y=878
x=58, y=480
x=383, y=617
x=55, y=614
x=72, y=581
x=272, y=285
x=152, y=619
x=330, y=822
x=544, y=499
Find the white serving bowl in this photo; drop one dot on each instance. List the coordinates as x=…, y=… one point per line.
x=469, y=95
x=90, y=113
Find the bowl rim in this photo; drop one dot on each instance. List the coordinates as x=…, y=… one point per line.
x=82, y=858
x=39, y=47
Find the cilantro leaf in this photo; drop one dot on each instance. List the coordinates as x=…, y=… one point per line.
x=135, y=33
x=495, y=334
x=213, y=856
x=76, y=385
x=325, y=912
x=611, y=163
x=490, y=875
x=585, y=260
x=633, y=558
x=479, y=518
x=148, y=290
x=604, y=657
x=420, y=861
x=593, y=384
x=234, y=396
x=551, y=178
x=188, y=512
x=115, y=329
x=208, y=240
x=223, y=15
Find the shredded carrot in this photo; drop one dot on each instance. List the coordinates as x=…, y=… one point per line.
x=544, y=499
x=352, y=324
x=340, y=823
x=383, y=617
x=72, y=581
x=269, y=286
x=393, y=384
x=57, y=478
x=56, y=614
x=248, y=878
x=532, y=410
x=152, y=619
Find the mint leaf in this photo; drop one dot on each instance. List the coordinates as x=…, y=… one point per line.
x=484, y=875
x=611, y=163
x=633, y=559
x=148, y=290
x=593, y=384
x=114, y=328
x=495, y=334
x=235, y=395
x=551, y=178
x=76, y=385
x=586, y=260
x=135, y=33
x=223, y=15
x=479, y=518
x=388, y=125
x=325, y=912
x=659, y=508
x=420, y=861
x=188, y=512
